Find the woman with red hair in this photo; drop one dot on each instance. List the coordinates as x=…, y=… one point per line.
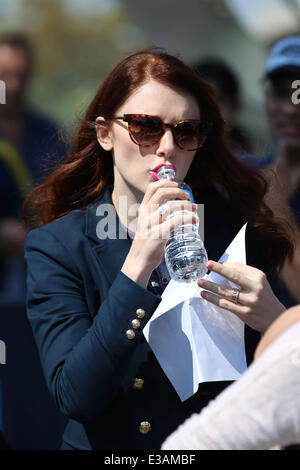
x=91, y=290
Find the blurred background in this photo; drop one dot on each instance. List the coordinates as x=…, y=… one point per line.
x=79, y=41
x=76, y=43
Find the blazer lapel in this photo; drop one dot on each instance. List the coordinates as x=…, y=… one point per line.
x=110, y=241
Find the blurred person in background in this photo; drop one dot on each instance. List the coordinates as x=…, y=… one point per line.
x=282, y=71
x=282, y=68
x=29, y=143
x=283, y=113
x=227, y=87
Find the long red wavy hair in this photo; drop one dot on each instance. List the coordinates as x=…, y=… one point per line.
x=88, y=169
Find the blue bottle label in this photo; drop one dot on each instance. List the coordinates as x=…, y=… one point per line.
x=191, y=197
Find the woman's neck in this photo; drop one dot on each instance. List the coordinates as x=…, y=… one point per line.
x=126, y=203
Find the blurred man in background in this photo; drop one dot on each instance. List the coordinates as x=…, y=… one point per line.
x=29, y=144
x=282, y=71
x=228, y=91
x=283, y=112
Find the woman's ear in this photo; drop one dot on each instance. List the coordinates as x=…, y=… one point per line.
x=104, y=134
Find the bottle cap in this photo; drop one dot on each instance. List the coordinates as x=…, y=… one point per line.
x=164, y=171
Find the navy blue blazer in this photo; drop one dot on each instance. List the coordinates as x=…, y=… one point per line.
x=80, y=306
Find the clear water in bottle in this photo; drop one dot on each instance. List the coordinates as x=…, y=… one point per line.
x=185, y=254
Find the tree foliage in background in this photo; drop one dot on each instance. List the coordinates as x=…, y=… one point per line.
x=74, y=52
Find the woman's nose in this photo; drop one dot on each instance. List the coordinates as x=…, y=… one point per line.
x=167, y=145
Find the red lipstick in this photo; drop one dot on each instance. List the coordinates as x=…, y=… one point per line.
x=154, y=171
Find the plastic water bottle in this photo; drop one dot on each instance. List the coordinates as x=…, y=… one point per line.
x=185, y=254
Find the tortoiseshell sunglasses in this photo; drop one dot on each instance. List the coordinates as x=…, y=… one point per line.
x=145, y=130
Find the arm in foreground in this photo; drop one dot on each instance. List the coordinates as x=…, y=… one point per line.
x=261, y=409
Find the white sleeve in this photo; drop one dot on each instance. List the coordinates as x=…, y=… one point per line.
x=259, y=411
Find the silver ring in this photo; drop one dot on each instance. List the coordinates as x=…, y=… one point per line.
x=162, y=210
x=235, y=295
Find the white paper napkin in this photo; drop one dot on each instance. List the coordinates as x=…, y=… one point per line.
x=193, y=340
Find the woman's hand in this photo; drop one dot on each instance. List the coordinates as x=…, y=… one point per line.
x=153, y=229
x=257, y=306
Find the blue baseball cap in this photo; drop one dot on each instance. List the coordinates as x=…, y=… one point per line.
x=285, y=56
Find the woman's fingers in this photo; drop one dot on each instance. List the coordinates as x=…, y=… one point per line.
x=255, y=304
x=229, y=293
x=246, y=277
x=238, y=309
x=154, y=186
x=160, y=230
x=162, y=195
x=228, y=270
x=171, y=208
x=158, y=191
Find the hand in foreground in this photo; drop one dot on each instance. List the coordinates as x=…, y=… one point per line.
x=256, y=305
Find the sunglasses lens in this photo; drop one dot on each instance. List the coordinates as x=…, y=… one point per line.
x=190, y=135
x=145, y=131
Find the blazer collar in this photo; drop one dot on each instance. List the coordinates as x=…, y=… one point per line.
x=102, y=220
